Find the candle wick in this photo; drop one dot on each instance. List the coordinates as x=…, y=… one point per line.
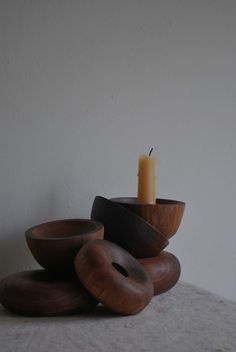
x=150, y=152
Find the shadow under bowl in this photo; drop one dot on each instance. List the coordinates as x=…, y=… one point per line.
x=165, y=215
x=55, y=244
x=128, y=230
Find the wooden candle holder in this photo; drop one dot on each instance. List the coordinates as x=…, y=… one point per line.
x=131, y=225
x=165, y=215
x=127, y=229
x=110, y=274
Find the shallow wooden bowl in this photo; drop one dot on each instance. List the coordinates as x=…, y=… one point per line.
x=165, y=215
x=164, y=271
x=128, y=230
x=55, y=244
x=40, y=293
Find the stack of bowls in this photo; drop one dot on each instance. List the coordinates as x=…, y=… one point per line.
x=55, y=290
x=144, y=230
x=116, y=256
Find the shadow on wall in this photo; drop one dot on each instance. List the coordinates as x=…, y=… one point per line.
x=14, y=254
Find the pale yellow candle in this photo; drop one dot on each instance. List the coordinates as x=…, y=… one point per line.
x=147, y=179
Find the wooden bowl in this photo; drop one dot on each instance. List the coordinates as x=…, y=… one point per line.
x=165, y=215
x=114, y=277
x=128, y=230
x=55, y=244
x=40, y=293
x=164, y=271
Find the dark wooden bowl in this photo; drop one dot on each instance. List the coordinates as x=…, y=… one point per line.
x=40, y=293
x=165, y=215
x=128, y=230
x=55, y=244
x=114, y=277
x=164, y=271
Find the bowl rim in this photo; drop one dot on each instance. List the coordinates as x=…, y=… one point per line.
x=159, y=202
x=98, y=226
x=123, y=210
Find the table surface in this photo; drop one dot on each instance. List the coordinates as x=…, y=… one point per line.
x=185, y=319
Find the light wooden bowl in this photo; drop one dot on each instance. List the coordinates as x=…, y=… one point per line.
x=165, y=215
x=128, y=230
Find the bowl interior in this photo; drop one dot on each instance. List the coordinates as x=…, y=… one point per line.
x=62, y=229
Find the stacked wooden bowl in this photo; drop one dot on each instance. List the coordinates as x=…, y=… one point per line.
x=144, y=230
x=115, y=258
x=55, y=290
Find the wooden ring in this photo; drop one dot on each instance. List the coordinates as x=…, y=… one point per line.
x=114, y=277
x=164, y=271
x=40, y=293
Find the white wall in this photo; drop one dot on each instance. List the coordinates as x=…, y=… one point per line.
x=86, y=86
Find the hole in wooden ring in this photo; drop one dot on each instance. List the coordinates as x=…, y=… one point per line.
x=119, y=268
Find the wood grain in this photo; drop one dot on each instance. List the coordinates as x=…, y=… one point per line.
x=166, y=215
x=114, y=277
x=164, y=271
x=55, y=244
x=40, y=293
x=128, y=230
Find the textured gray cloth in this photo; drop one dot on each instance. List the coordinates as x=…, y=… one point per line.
x=185, y=319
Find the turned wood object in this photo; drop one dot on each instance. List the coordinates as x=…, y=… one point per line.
x=165, y=215
x=55, y=244
x=127, y=229
x=164, y=271
x=114, y=277
x=40, y=293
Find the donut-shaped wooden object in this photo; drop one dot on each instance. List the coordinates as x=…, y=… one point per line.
x=114, y=277
x=164, y=271
x=127, y=229
x=39, y=293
